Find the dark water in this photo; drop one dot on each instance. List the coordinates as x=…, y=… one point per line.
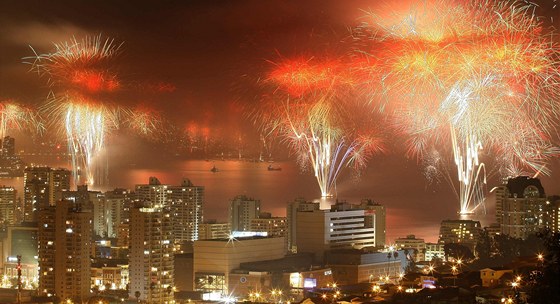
x=412, y=206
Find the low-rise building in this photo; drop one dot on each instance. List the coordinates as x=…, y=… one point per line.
x=492, y=277
x=214, y=261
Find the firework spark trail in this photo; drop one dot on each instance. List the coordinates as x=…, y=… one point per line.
x=80, y=73
x=16, y=117
x=461, y=72
x=312, y=110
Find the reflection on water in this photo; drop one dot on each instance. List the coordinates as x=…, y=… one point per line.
x=411, y=208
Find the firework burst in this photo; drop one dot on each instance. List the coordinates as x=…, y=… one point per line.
x=17, y=117
x=313, y=111
x=461, y=72
x=79, y=73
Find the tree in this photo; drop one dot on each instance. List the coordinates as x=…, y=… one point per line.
x=137, y=295
x=458, y=251
x=544, y=287
x=484, y=246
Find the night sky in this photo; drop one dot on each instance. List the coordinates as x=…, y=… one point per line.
x=210, y=52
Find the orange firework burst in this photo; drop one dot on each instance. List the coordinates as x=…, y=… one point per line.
x=82, y=64
x=313, y=110
x=303, y=75
x=14, y=116
x=461, y=71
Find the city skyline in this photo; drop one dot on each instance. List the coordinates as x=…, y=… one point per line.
x=174, y=65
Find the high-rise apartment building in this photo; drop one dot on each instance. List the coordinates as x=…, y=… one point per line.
x=43, y=186
x=185, y=202
x=241, y=211
x=8, y=199
x=65, y=243
x=117, y=211
x=151, y=253
x=525, y=208
x=298, y=205
x=93, y=201
x=8, y=146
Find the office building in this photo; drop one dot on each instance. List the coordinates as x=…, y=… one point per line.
x=434, y=251
x=273, y=226
x=341, y=227
x=21, y=241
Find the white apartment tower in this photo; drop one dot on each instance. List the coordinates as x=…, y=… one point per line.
x=184, y=201
x=151, y=254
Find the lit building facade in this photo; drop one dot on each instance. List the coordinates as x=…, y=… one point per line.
x=8, y=207
x=185, y=203
x=151, y=254
x=342, y=227
x=465, y=232
x=434, y=251
x=43, y=186
x=241, y=211
x=273, y=226
x=525, y=208
x=117, y=211
x=64, y=237
x=411, y=243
